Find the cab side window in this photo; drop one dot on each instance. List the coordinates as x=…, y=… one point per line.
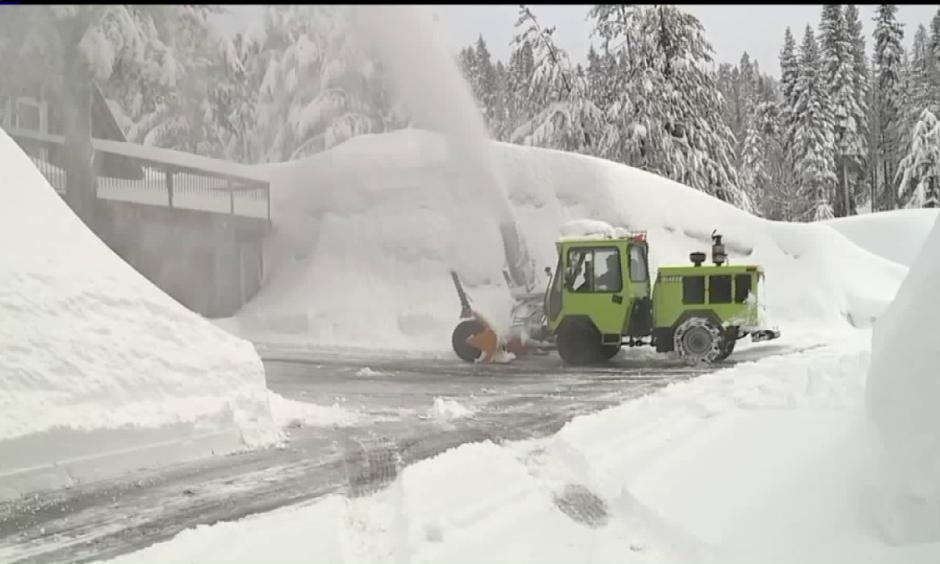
x=594, y=269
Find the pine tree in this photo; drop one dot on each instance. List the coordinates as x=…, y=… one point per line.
x=668, y=116
x=919, y=171
x=601, y=74
x=789, y=75
x=935, y=52
x=485, y=87
x=568, y=119
x=887, y=64
x=918, y=83
x=779, y=197
x=860, y=86
x=753, y=173
x=501, y=101
x=188, y=104
x=838, y=72
x=318, y=88
x=519, y=106
x=812, y=138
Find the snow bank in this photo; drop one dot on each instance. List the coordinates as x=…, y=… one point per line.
x=93, y=355
x=895, y=235
x=903, y=398
x=368, y=230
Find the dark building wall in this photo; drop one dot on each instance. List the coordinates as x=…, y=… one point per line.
x=210, y=263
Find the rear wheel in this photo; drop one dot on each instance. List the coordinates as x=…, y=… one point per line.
x=464, y=330
x=579, y=343
x=698, y=341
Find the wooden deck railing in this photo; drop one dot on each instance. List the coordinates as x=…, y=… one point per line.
x=127, y=172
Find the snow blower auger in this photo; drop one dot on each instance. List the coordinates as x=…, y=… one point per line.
x=475, y=340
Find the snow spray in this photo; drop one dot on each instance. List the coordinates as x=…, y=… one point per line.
x=429, y=85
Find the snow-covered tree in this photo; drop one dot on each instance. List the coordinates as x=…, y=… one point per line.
x=838, y=65
x=668, y=116
x=935, y=51
x=812, y=137
x=888, y=72
x=789, y=75
x=568, y=119
x=477, y=67
x=919, y=171
x=519, y=73
x=602, y=74
x=486, y=88
x=501, y=102
x=318, y=85
x=920, y=85
x=752, y=171
x=860, y=86
x=190, y=87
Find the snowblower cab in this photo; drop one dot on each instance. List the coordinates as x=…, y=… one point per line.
x=599, y=296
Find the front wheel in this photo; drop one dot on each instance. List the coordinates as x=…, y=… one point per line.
x=699, y=341
x=579, y=343
x=609, y=351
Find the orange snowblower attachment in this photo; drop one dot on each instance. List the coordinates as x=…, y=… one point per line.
x=475, y=340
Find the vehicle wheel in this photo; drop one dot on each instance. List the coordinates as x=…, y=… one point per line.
x=579, y=343
x=698, y=341
x=609, y=351
x=464, y=330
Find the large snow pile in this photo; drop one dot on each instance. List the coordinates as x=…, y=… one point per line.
x=87, y=343
x=762, y=462
x=904, y=401
x=367, y=231
x=895, y=235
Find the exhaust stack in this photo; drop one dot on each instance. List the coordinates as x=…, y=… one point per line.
x=718, y=250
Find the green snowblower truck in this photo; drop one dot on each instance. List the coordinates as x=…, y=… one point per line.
x=600, y=299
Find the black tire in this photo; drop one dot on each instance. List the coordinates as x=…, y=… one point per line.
x=579, y=343
x=698, y=341
x=609, y=351
x=463, y=331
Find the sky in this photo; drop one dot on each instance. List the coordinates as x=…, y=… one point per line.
x=731, y=29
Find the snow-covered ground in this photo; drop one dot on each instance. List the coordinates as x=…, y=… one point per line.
x=768, y=461
x=100, y=370
x=367, y=231
x=895, y=235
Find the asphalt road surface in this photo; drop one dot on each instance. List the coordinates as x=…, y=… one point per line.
x=529, y=398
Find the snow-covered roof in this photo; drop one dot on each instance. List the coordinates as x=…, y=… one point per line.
x=593, y=230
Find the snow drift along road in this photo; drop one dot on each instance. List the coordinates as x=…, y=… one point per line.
x=367, y=231
x=92, y=353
